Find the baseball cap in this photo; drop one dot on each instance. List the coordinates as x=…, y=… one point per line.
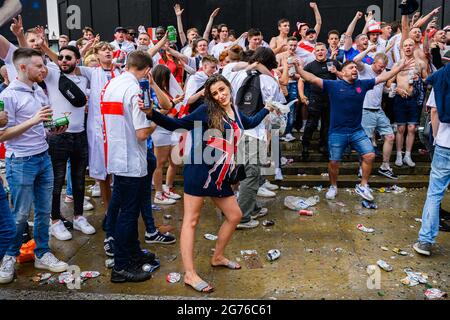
x=310, y=31
x=118, y=29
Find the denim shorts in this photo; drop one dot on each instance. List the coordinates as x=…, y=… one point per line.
x=406, y=111
x=376, y=120
x=358, y=141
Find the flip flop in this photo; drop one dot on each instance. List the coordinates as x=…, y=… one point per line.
x=230, y=265
x=201, y=286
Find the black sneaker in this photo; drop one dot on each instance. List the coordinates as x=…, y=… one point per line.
x=147, y=267
x=423, y=248
x=108, y=245
x=389, y=173
x=146, y=257
x=68, y=224
x=130, y=274
x=160, y=238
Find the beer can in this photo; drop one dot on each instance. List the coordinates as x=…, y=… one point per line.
x=61, y=122
x=2, y=106
x=273, y=255
x=172, y=34
x=173, y=277
x=90, y=274
x=306, y=213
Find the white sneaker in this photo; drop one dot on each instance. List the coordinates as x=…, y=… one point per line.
x=270, y=186
x=95, y=192
x=408, y=161
x=169, y=193
x=278, y=175
x=7, y=269
x=365, y=192
x=163, y=200
x=289, y=138
x=68, y=199
x=60, y=232
x=51, y=263
x=332, y=193
x=399, y=161
x=81, y=224
x=264, y=193
x=87, y=206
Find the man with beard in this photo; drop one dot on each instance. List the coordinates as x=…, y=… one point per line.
x=361, y=41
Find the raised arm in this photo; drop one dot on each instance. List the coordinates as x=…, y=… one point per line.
x=179, y=13
x=163, y=99
x=178, y=55
x=154, y=50
x=402, y=65
x=4, y=47
x=369, y=18
x=359, y=57
x=49, y=52
x=351, y=28
x=252, y=122
x=17, y=30
x=172, y=124
x=210, y=24
x=421, y=22
x=318, y=17
x=405, y=30
x=9, y=9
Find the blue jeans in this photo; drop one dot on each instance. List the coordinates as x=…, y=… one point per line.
x=439, y=181
x=146, y=210
x=31, y=182
x=69, y=191
x=128, y=196
x=338, y=143
x=7, y=224
x=292, y=115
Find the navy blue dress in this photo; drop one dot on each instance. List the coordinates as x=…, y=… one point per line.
x=203, y=178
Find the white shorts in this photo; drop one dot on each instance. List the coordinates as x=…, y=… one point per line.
x=162, y=137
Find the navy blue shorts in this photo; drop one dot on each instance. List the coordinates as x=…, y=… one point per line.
x=406, y=111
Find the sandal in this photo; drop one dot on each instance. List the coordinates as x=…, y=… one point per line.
x=230, y=265
x=201, y=286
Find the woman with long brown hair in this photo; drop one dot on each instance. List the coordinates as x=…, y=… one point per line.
x=210, y=178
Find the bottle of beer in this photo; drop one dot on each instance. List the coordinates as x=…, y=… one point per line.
x=172, y=34
x=2, y=106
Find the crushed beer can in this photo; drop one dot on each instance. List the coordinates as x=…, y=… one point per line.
x=369, y=205
x=268, y=223
x=433, y=294
x=109, y=263
x=167, y=217
x=66, y=277
x=89, y=274
x=173, y=277
x=210, y=237
x=384, y=265
x=273, y=255
x=306, y=213
x=400, y=252
x=414, y=278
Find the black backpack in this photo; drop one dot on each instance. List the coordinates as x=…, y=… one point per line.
x=72, y=92
x=249, y=98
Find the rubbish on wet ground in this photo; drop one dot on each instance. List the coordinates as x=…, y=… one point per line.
x=286, y=161
x=306, y=213
x=251, y=259
x=309, y=250
x=273, y=255
x=384, y=248
x=167, y=217
x=414, y=278
x=156, y=207
x=109, y=263
x=338, y=250
x=302, y=175
x=325, y=175
x=369, y=205
x=384, y=265
x=341, y=204
x=66, y=277
x=418, y=220
x=286, y=188
x=350, y=191
x=172, y=258
x=381, y=293
x=318, y=188
x=394, y=189
x=89, y=274
x=400, y=252
x=364, y=229
x=41, y=277
x=433, y=294
x=173, y=277
x=210, y=237
x=305, y=187
x=297, y=203
x=268, y=223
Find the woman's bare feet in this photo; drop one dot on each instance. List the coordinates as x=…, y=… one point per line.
x=224, y=262
x=192, y=279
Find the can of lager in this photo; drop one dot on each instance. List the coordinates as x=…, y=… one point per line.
x=172, y=34
x=2, y=106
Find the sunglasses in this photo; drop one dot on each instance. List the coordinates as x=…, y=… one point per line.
x=68, y=58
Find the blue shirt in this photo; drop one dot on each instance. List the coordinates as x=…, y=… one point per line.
x=352, y=53
x=346, y=104
x=340, y=56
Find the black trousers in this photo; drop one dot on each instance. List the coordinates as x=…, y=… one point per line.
x=318, y=109
x=73, y=146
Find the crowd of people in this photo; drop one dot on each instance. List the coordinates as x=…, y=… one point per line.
x=218, y=105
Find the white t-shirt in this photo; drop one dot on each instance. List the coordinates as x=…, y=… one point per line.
x=219, y=48
x=443, y=135
x=126, y=46
x=187, y=51
x=59, y=103
x=395, y=51
x=270, y=91
x=125, y=88
x=22, y=103
x=374, y=96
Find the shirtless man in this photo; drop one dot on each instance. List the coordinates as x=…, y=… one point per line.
x=279, y=44
x=406, y=108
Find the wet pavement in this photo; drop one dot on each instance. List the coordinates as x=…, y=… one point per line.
x=322, y=257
